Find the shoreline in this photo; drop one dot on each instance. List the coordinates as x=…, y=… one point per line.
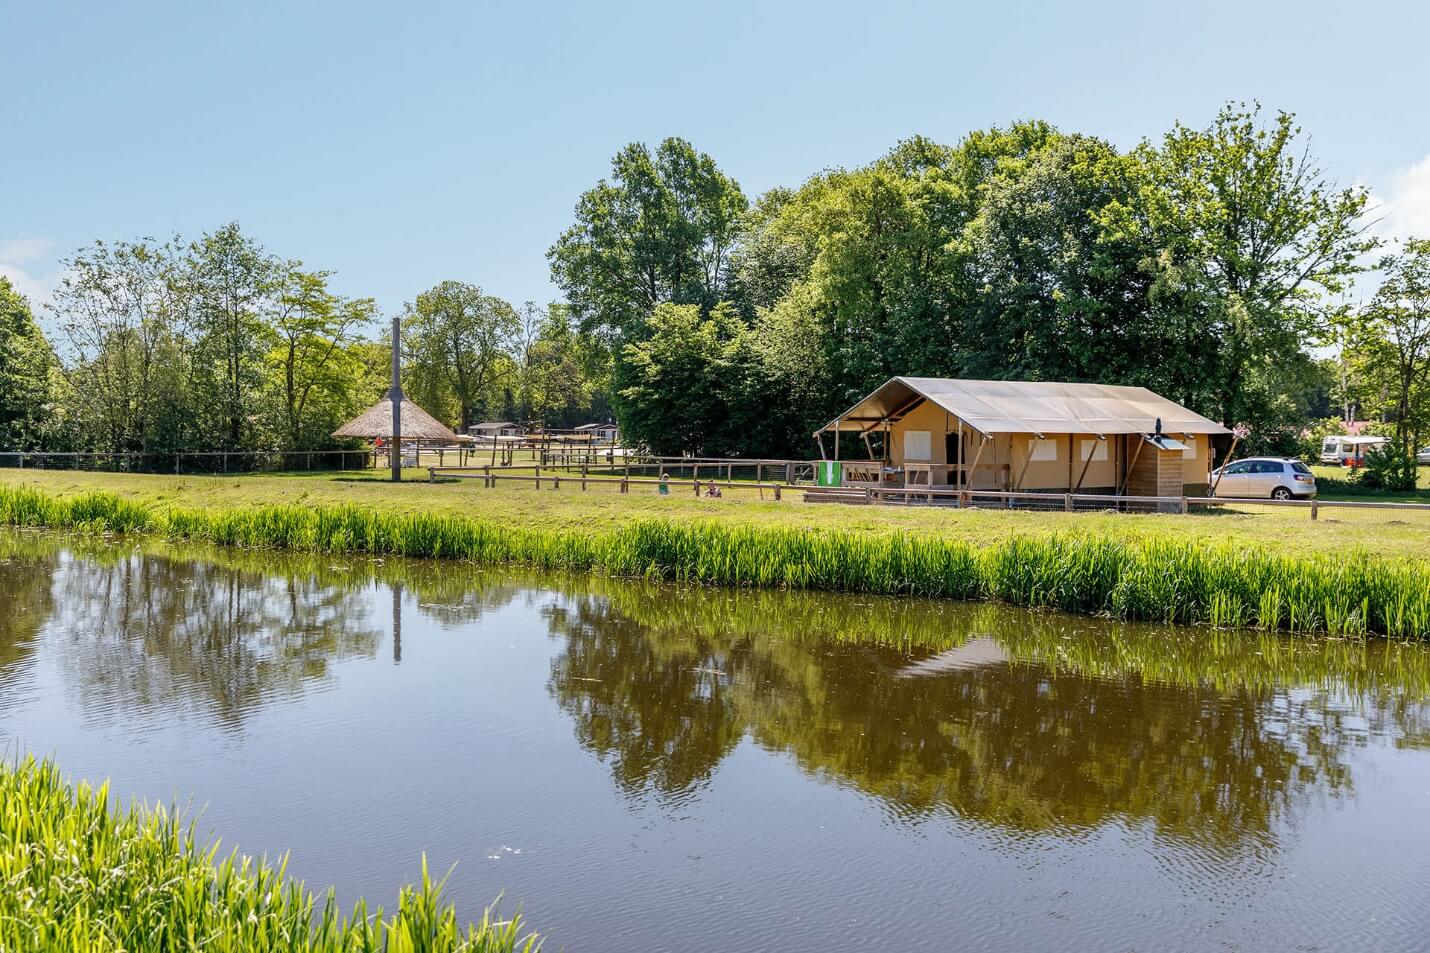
x=1164, y=580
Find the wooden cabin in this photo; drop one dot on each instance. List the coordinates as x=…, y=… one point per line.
x=1023, y=436
x=496, y=428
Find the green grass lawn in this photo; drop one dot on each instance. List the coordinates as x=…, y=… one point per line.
x=1402, y=533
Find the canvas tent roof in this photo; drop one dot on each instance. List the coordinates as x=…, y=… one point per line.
x=376, y=421
x=1038, y=407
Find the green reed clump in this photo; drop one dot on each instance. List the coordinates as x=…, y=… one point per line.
x=81, y=874
x=1149, y=579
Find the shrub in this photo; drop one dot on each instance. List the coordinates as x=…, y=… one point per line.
x=1387, y=467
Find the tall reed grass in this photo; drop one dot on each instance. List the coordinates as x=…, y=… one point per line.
x=80, y=874
x=1149, y=579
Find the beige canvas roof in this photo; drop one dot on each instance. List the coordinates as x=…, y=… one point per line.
x=1039, y=407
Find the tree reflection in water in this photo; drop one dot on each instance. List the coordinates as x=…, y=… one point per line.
x=1210, y=737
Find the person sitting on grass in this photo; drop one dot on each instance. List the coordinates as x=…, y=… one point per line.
x=712, y=490
x=664, y=488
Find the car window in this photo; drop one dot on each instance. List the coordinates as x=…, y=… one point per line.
x=1239, y=467
x=1300, y=467
x=1265, y=466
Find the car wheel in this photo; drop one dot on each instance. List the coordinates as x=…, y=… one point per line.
x=1281, y=493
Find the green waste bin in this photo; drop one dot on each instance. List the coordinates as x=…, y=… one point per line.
x=829, y=473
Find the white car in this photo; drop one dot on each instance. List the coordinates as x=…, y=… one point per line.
x=1276, y=478
x=1423, y=456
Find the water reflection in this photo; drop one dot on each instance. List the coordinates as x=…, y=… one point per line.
x=1033, y=723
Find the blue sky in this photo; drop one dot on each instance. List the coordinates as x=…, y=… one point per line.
x=403, y=144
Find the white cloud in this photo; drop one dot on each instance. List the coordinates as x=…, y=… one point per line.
x=1404, y=207
x=28, y=264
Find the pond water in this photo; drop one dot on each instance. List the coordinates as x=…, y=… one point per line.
x=649, y=767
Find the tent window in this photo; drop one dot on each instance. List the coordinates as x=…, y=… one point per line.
x=1191, y=452
x=918, y=445
x=1044, y=450
x=1095, y=450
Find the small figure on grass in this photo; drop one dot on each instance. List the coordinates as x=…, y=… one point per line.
x=664, y=488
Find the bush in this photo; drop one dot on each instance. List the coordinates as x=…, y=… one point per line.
x=1387, y=467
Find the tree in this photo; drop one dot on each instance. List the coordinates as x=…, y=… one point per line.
x=661, y=230
x=123, y=311
x=27, y=368
x=683, y=387
x=458, y=340
x=233, y=286
x=1398, y=325
x=313, y=330
x=1246, y=233
x=558, y=367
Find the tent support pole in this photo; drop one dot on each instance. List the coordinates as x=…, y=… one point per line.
x=1229, y=451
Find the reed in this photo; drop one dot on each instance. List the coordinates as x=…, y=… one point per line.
x=1147, y=578
x=82, y=874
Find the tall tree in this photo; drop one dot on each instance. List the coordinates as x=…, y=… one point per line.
x=313, y=330
x=662, y=229
x=1248, y=233
x=123, y=310
x=1399, y=330
x=27, y=368
x=458, y=341
x=233, y=284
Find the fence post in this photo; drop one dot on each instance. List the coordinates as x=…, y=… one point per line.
x=225, y=461
x=1067, y=502
x=777, y=492
x=1314, y=509
x=1184, y=506
x=538, y=473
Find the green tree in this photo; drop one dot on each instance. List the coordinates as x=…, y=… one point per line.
x=662, y=229
x=317, y=374
x=558, y=368
x=683, y=387
x=27, y=369
x=1248, y=234
x=123, y=311
x=458, y=341
x=1398, y=338
x=233, y=287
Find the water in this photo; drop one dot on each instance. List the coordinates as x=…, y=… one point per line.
x=645, y=767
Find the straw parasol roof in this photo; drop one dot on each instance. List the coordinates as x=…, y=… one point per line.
x=376, y=421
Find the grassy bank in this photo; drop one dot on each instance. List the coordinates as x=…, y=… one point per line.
x=597, y=510
x=1147, y=578
x=80, y=874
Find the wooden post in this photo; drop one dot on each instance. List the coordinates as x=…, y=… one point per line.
x=394, y=394
x=1314, y=509
x=777, y=492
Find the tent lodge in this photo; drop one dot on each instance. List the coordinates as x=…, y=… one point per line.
x=1025, y=436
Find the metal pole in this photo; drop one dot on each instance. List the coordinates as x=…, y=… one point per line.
x=394, y=394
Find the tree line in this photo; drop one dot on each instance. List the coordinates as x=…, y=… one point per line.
x=1212, y=266
x=1217, y=265
x=170, y=346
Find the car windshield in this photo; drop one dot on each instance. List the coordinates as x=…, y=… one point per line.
x=1300, y=467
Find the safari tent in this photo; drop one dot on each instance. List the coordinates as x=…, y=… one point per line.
x=1023, y=436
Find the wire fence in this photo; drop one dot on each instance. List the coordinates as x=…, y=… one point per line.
x=194, y=462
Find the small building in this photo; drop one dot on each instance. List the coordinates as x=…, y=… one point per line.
x=496, y=428
x=602, y=433
x=1023, y=436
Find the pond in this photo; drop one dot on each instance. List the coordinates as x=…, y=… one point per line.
x=642, y=766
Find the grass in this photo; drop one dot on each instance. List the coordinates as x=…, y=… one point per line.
x=82, y=875
x=1150, y=578
x=1282, y=530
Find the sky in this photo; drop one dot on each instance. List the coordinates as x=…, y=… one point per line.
x=402, y=144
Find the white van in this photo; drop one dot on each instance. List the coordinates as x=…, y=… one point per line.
x=1349, y=451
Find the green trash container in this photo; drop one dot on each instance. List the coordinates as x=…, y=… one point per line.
x=829, y=473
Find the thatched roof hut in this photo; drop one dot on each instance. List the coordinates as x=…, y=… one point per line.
x=417, y=424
